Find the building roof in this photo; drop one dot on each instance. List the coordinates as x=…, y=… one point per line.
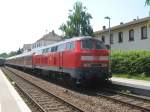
x=27, y=46
x=135, y=21
x=51, y=36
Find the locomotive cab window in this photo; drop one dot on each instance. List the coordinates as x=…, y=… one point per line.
x=99, y=45
x=87, y=44
x=92, y=44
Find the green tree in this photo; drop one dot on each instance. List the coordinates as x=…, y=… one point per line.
x=78, y=22
x=19, y=51
x=12, y=53
x=147, y=2
x=3, y=55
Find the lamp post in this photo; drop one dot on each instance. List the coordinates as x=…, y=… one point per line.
x=107, y=17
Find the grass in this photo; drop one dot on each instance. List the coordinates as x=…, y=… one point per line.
x=129, y=76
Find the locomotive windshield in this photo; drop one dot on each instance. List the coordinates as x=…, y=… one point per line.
x=92, y=44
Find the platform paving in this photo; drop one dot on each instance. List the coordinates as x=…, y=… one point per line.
x=141, y=84
x=10, y=101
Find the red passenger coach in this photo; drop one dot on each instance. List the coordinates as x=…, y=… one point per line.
x=78, y=59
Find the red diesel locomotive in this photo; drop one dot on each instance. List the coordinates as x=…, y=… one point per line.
x=78, y=59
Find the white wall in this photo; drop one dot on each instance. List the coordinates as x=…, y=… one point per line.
x=137, y=44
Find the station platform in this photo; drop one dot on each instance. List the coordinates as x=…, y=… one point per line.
x=10, y=101
x=132, y=82
x=137, y=86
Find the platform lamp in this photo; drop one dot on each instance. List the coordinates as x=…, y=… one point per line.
x=107, y=17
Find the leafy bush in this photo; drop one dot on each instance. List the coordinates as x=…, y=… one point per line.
x=131, y=62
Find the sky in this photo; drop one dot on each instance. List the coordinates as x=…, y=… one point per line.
x=25, y=21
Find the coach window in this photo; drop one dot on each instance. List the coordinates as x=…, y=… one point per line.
x=44, y=50
x=61, y=47
x=70, y=46
x=49, y=49
x=144, y=32
x=120, y=37
x=54, y=49
x=40, y=51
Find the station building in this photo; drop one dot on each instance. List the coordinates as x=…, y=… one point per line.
x=26, y=47
x=47, y=39
x=134, y=35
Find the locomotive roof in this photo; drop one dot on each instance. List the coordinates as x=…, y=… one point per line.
x=39, y=50
x=69, y=40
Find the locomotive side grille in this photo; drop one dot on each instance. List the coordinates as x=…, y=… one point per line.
x=98, y=65
x=95, y=65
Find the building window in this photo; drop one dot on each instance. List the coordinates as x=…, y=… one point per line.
x=111, y=39
x=103, y=38
x=144, y=32
x=131, y=35
x=120, y=37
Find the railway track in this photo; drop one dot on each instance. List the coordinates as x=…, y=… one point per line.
x=127, y=99
x=133, y=102
x=42, y=99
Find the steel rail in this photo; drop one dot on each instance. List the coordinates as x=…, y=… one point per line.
x=25, y=93
x=126, y=102
x=57, y=97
